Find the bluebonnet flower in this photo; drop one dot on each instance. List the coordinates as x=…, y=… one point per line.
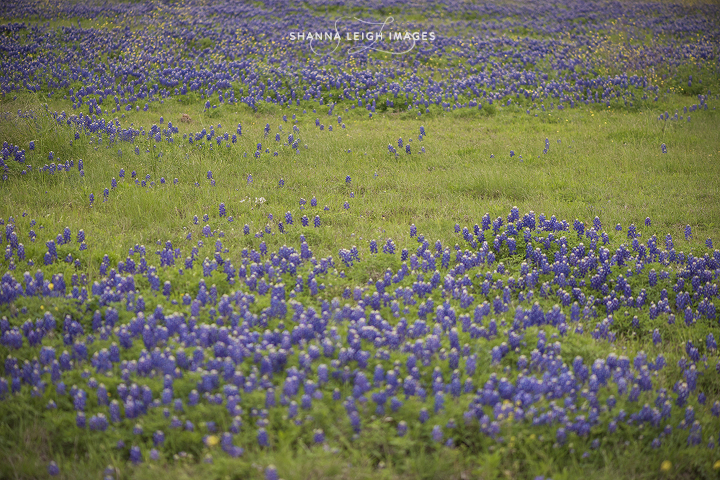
x=695, y=436
x=80, y=420
x=437, y=434
x=710, y=342
x=355, y=421
x=561, y=436
x=262, y=438
x=271, y=473
x=373, y=246
x=688, y=232
x=135, y=454
x=439, y=401
x=158, y=438
x=683, y=393
x=689, y=415
x=424, y=415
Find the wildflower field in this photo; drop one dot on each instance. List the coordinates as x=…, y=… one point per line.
x=260, y=240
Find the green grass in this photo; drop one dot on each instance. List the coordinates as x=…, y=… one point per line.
x=600, y=163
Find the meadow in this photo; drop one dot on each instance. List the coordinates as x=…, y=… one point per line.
x=230, y=253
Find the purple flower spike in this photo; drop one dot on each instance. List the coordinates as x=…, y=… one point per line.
x=437, y=434
x=135, y=454
x=262, y=438
x=271, y=473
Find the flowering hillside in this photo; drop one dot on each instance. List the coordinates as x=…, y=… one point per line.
x=359, y=240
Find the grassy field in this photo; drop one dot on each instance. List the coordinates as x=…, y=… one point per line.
x=232, y=202
x=599, y=163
